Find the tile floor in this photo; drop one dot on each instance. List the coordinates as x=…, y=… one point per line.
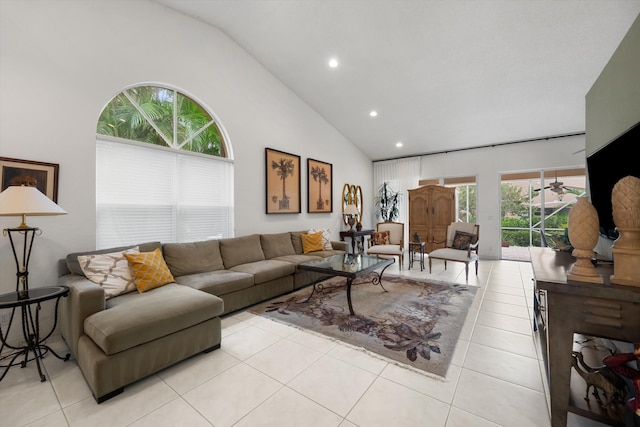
x=269, y=374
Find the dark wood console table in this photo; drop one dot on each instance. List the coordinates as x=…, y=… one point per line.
x=355, y=235
x=568, y=307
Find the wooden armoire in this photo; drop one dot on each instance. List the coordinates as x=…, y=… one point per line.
x=431, y=210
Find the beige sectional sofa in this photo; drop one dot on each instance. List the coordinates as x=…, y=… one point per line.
x=119, y=340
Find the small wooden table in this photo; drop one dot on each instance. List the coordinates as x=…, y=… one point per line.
x=355, y=235
x=416, y=248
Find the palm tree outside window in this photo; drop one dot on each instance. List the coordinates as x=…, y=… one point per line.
x=163, y=170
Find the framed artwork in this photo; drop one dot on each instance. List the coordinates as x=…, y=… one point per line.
x=319, y=186
x=42, y=175
x=282, y=182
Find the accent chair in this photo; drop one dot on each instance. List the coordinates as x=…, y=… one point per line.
x=461, y=246
x=388, y=241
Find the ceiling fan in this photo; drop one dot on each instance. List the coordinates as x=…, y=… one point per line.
x=555, y=186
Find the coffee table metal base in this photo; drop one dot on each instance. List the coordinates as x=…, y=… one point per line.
x=376, y=279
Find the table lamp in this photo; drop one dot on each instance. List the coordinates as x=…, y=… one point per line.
x=25, y=201
x=352, y=211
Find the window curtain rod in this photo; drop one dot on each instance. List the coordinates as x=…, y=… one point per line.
x=545, y=138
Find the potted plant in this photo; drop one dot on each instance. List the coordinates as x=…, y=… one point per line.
x=386, y=203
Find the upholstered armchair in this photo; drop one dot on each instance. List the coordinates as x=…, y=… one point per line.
x=461, y=246
x=388, y=240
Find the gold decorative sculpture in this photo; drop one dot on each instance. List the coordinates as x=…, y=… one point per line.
x=625, y=200
x=584, y=227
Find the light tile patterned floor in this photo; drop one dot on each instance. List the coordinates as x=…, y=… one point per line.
x=268, y=374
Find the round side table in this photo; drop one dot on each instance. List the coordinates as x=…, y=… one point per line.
x=26, y=301
x=416, y=248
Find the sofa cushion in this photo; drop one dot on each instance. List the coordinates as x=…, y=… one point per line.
x=465, y=227
x=74, y=266
x=461, y=241
x=111, y=271
x=149, y=270
x=298, y=259
x=275, y=245
x=380, y=237
x=241, y=250
x=453, y=255
x=217, y=282
x=325, y=254
x=312, y=242
x=264, y=271
x=326, y=237
x=133, y=319
x=193, y=257
x=296, y=241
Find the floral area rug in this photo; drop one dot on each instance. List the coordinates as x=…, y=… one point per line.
x=414, y=323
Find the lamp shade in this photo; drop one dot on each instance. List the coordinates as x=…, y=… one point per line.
x=22, y=201
x=351, y=210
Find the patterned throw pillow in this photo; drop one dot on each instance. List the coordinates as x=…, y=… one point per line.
x=380, y=238
x=311, y=242
x=462, y=240
x=149, y=270
x=111, y=271
x=326, y=238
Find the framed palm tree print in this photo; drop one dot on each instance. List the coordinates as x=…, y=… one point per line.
x=319, y=186
x=282, y=182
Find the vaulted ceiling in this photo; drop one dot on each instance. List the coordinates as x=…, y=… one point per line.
x=442, y=75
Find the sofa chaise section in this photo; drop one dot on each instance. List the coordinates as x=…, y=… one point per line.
x=122, y=339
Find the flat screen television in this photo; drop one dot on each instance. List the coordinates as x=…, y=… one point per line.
x=605, y=168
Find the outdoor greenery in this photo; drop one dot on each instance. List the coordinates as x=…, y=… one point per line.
x=161, y=116
x=515, y=214
x=466, y=213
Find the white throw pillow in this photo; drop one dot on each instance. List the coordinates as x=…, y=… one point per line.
x=111, y=271
x=326, y=238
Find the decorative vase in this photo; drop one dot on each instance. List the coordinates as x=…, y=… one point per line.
x=584, y=227
x=625, y=200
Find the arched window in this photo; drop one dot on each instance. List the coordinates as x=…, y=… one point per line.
x=163, y=170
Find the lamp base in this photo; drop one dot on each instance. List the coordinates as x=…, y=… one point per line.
x=22, y=266
x=351, y=221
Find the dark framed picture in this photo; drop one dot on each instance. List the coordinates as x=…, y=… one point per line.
x=282, y=182
x=319, y=186
x=43, y=176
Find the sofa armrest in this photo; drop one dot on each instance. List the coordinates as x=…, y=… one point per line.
x=85, y=298
x=339, y=245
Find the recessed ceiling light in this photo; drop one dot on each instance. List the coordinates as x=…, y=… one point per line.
x=373, y=113
x=333, y=63
x=398, y=144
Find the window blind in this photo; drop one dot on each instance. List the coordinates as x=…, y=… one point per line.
x=145, y=193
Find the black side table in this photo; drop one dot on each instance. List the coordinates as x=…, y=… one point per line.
x=416, y=248
x=34, y=343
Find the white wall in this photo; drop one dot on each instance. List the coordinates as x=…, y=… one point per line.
x=62, y=61
x=487, y=164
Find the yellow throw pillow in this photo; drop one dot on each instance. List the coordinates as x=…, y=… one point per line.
x=311, y=242
x=149, y=270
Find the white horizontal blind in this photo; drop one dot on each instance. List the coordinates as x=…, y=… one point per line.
x=148, y=194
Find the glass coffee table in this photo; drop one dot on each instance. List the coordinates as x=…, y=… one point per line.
x=349, y=266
